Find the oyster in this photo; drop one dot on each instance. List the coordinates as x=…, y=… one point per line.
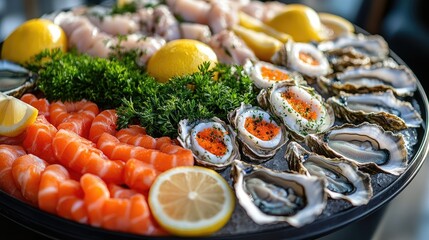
x=304, y=58
x=301, y=108
x=343, y=178
x=367, y=145
x=372, y=46
x=381, y=108
x=14, y=79
x=212, y=142
x=269, y=196
x=376, y=78
x=264, y=74
x=340, y=59
x=260, y=135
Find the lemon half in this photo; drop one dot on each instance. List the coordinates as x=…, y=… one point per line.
x=31, y=38
x=179, y=57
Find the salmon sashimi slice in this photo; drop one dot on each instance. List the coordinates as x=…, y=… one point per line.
x=117, y=191
x=161, y=161
x=73, y=116
x=70, y=203
x=105, y=121
x=27, y=171
x=41, y=104
x=81, y=155
x=95, y=195
x=136, y=135
x=8, y=154
x=50, y=181
x=139, y=175
x=39, y=137
x=17, y=140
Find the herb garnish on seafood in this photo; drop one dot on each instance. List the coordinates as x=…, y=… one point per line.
x=120, y=83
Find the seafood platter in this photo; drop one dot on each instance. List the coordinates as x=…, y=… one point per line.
x=226, y=119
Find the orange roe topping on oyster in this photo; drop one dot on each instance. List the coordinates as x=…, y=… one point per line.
x=300, y=106
x=211, y=139
x=273, y=74
x=261, y=129
x=307, y=58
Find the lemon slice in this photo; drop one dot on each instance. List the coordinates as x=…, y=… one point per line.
x=15, y=115
x=335, y=25
x=191, y=201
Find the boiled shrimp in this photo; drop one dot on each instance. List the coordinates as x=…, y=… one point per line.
x=190, y=10
x=222, y=16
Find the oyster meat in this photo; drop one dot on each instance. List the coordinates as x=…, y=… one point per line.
x=260, y=135
x=212, y=142
x=381, y=108
x=343, y=178
x=301, y=108
x=304, y=58
x=372, y=46
x=269, y=196
x=376, y=78
x=367, y=145
x=264, y=74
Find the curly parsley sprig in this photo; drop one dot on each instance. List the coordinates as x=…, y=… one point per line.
x=119, y=83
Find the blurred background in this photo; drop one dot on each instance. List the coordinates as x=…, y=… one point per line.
x=405, y=26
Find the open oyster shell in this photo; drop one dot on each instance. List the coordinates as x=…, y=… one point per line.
x=15, y=80
x=367, y=145
x=381, y=108
x=373, y=46
x=269, y=196
x=304, y=58
x=301, y=108
x=343, y=178
x=259, y=147
x=376, y=78
x=220, y=134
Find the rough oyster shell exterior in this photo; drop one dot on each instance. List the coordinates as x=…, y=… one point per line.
x=381, y=108
x=376, y=78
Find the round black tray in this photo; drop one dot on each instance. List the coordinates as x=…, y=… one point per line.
x=55, y=227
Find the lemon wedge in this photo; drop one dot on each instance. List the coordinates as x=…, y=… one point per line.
x=180, y=57
x=255, y=24
x=299, y=21
x=263, y=45
x=15, y=115
x=191, y=201
x=335, y=25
